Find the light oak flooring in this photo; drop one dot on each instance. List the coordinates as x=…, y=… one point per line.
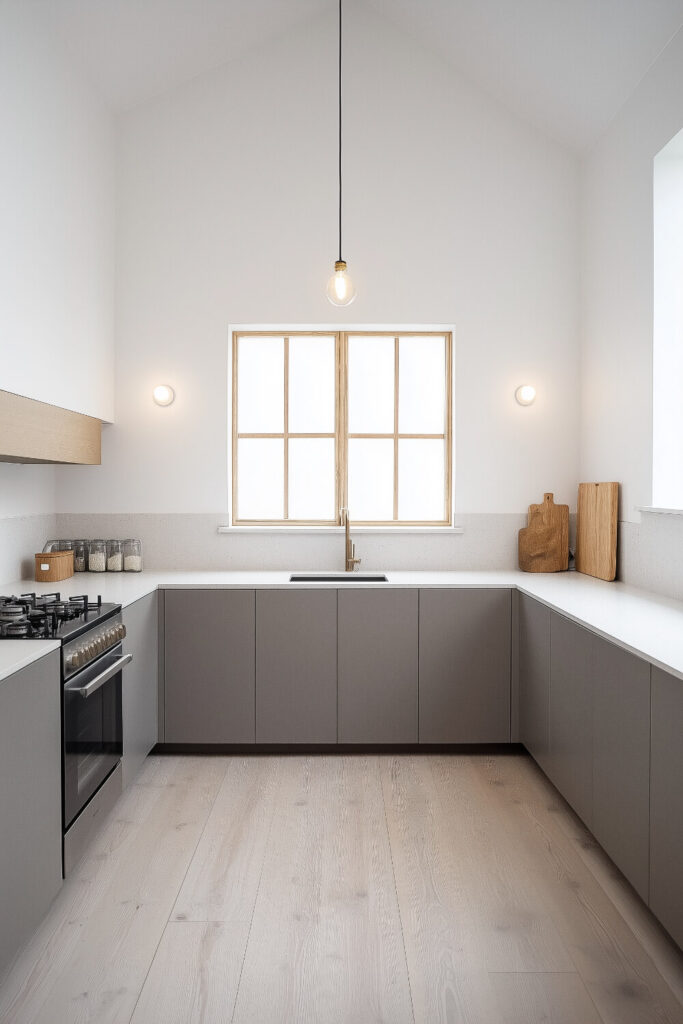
x=345, y=890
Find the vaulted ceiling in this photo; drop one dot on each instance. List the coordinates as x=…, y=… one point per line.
x=565, y=65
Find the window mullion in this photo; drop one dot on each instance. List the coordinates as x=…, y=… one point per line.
x=396, y=369
x=342, y=447
x=286, y=430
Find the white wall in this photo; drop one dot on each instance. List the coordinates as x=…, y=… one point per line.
x=455, y=212
x=618, y=306
x=57, y=217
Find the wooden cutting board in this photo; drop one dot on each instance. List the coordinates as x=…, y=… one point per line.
x=596, y=530
x=544, y=542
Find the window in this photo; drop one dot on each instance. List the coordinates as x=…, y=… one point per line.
x=322, y=421
x=667, y=363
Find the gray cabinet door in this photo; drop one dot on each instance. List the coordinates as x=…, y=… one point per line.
x=570, y=758
x=296, y=666
x=534, y=677
x=378, y=632
x=464, y=666
x=621, y=759
x=140, y=688
x=209, y=638
x=666, y=802
x=30, y=800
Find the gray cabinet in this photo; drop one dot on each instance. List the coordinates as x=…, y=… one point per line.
x=570, y=715
x=666, y=802
x=139, y=696
x=534, y=677
x=378, y=641
x=30, y=800
x=464, y=666
x=621, y=759
x=209, y=639
x=296, y=666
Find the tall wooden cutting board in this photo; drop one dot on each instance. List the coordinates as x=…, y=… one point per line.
x=544, y=543
x=596, y=530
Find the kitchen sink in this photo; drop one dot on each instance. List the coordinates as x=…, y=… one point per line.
x=338, y=577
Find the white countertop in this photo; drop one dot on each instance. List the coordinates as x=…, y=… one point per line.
x=642, y=622
x=17, y=654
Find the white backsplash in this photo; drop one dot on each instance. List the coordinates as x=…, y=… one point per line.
x=181, y=542
x=20, y=538
x=650, y=554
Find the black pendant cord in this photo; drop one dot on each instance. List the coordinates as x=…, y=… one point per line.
x=340, y=129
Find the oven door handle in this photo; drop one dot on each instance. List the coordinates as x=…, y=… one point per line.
x=98, y=682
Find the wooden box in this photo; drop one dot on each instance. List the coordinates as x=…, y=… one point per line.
x=52, y=566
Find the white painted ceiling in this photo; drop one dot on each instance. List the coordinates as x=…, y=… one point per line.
x=565, y=65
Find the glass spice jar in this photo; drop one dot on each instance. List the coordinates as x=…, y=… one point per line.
x=97, y=556
x=80, y=555
x=114, y=556
x=132, y=555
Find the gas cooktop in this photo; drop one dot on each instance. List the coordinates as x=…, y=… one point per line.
x=50, y=617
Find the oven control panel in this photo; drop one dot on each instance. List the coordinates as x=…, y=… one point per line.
x=85, y=648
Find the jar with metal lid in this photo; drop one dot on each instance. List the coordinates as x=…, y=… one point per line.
x=114, y=556
x=65, y=545
x=132, y=555
x=80, y=555
x=97, y=556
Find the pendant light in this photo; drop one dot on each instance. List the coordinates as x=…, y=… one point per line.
x=340, y=288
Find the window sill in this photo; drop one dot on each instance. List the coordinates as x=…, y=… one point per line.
x=652, y=510
x=388, y=530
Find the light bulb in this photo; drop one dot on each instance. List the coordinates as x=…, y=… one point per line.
x=340, y=287
x=163, y=394
x=525, y=394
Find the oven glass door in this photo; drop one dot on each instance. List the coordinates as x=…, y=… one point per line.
x=92, y=729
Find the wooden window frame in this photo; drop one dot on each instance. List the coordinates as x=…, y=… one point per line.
x=341, y=435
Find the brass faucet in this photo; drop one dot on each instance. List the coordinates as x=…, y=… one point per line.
x=350, y=548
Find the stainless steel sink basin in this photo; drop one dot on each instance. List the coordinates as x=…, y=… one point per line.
x=338, y=577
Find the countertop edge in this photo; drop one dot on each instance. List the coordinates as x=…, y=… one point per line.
x=28, y=657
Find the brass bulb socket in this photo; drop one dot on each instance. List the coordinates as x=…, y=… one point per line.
x=340, y=265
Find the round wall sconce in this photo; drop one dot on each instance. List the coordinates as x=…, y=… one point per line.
x=163, y=394
x=525, y=394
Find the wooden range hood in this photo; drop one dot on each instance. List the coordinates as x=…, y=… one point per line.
x=32, y=431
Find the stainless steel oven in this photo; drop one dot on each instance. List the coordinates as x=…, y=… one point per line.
x=92, y=729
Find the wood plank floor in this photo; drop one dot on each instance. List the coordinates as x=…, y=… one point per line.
x=345, y=890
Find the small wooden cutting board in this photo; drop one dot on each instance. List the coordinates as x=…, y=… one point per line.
x=544, y=543
x=596, y=530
